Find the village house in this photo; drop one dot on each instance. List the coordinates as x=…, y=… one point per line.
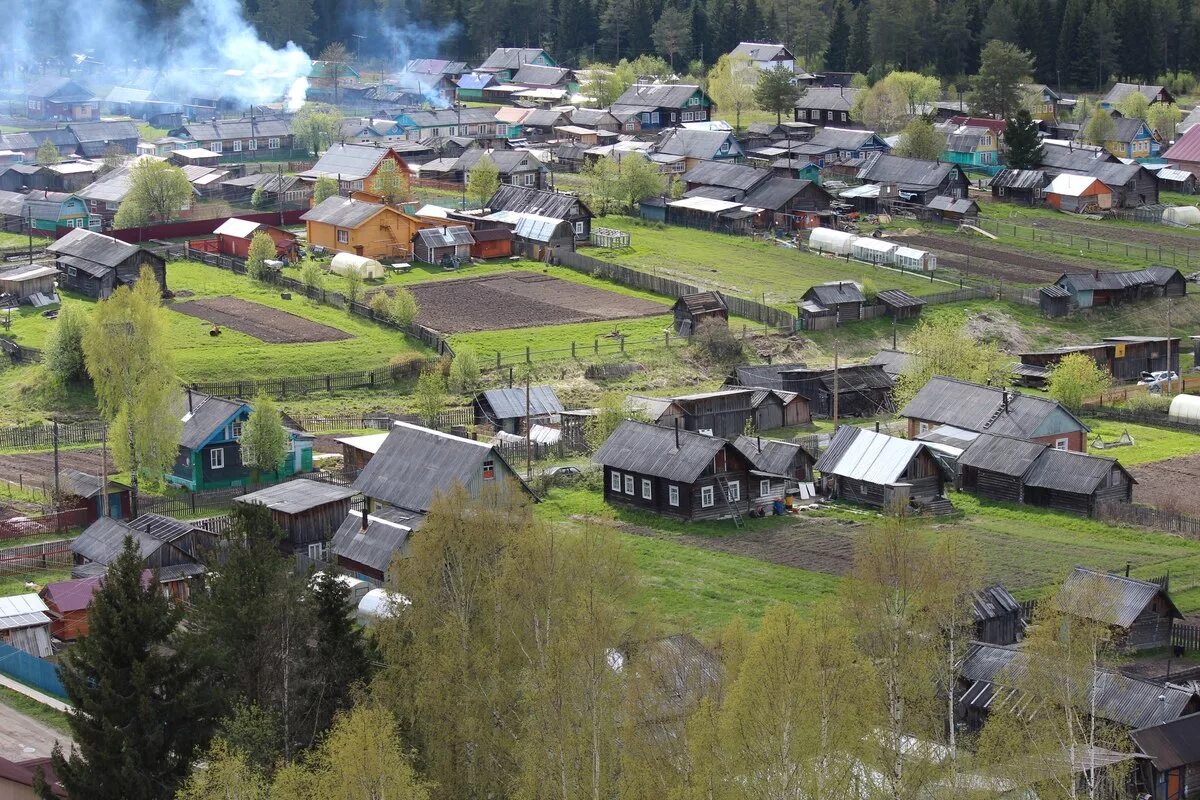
x=766, y=56
x=695, y=146
x=95, y=265
x=1132, y=184
x=1047, y=103
x=1125, y=358
x=881, y=471
x=998, y=616
x=1024, y=186
x=1153, y=94
x=506, y=409
x=48, y=211
x=68, y=603
x=374, y=230
x=1185, y=153
x=690, y=310
x=989, y=409
x=681, y=474
x=840, y=146
x=61, y=137
x=174, y=549
x=843, y=300
x=468, y=122
x=472, y=86
x=84, y=490
x=970, y=145
x=917, y=180
x=365, y=544
x=354, y=166
x=1140, y=614
x=246, y=135
x=1098, y=288
x=1131, y=138
x=562, y=206
x=826, y=105
x=240, y=191
x=210, y=450
x=516, y=167
x=504, y=62
x=307, y=511
x=57, y=98
x=862, y=390
x=1171, y=770
x=193, y=157
x=101, y=139
x=68, y=176
x=662, y=105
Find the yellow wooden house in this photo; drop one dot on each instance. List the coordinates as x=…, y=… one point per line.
x=362, y=227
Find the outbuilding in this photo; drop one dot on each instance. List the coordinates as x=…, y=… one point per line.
x=998, y=616
x=83, y=490
x=1140, y=614
x=21, y=284
x=307, y=511
x=899, y=304
x=1075, y=482
x=1078, y=193
x=690, y=310
x=235, y=235
x=368, y=268
x=874, y=251
x=506, y=409
x=365, y=544
x=446, y=243
x=843, y=298
x=878, y=470
x=491, y=243
x=778, y=457
x=1054, y=301
x=95, y=265
x=914, y=259
x=68, y=603
x=25, y=624
x=828, y=240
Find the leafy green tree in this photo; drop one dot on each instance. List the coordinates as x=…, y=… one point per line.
x=917, y=89
x=483, y=179
x=883, y=107
x=353, y=282
x=127, y=353
x=776, y=91
x=324, y=188
x=262, y=250
x=672, y=34
x=312, y=275
x=997, y=89
x=63, y=355
x=1076, y=379
x=941, y=345
x=1134, y=106
x=638, y=179
x=47, y=153
x=731, y=85
x=1100, y=127
x=264, y=441
x=610, y=413
x=602, y=185
x=225, y=775
x=920, y=139
x=140, y=711
x=464, y=372
x=1023, y=146
x=1164, y=118
x=258, y=198
x=158, y=191
x=391, y=182
x=429, y=397
x=336, y=60
x=403, y=308
x=317, y=125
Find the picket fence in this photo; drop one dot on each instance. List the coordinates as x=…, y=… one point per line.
x=1149, y=517
x=41, y=435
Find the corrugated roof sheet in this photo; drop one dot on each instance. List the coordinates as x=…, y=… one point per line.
x=297, y=496
x=828, y=139
x=657, y=95
x=1172, y=744
x=1186, y=147
x=772, y=455
x=721, y=173
x=1070, y=185
x=541, y=202
x=972, y=406
x=1104, y=597
x=237, y=228
x=693, y=143
x=509, y=402
x=867, y=456
x=907, y=173
x=1023, y=179
x=344, y=212
x=1001, y=454
x=507, y=58
x=94, y=247
x=1066, y=471
x=386, y=536
x=72, y=595
x=898, y=298
x=650, y=450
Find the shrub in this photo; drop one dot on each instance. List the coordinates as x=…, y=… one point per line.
x=1146, y=402
x=262, y=249
x=354, y=286
x=64, y=348
x=381, y=304
x=716, y=342
x=464, y=372
x=312, y=276
x=404, y=307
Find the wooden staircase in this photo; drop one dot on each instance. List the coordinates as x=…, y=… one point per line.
x=938, y=507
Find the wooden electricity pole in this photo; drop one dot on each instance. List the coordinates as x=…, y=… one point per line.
x=836, y=390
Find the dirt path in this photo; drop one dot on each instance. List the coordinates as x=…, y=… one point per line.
x=23, y=738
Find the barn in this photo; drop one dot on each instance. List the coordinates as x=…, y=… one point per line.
x=1067, y=481
x=1140, y=614
x=899, y=304
x=357, y=450
x=506, y=409
x=307, y=511
x=492, y=243
x=1054, y=301
x=234, y=236
x=690, y=310
x=881, y=471
x=998, y=616
x=443, y=244
x=1078, y=193
x=863, y=390
x=20, y=284
x=25, y=624
x=68, y=603
x=95, y=265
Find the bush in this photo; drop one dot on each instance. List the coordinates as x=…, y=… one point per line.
x=464, y=372
x=262, y=249
x=715, y=341
x=312, y=276
x=404, y=307
x=1145, y=402
x=64, y=348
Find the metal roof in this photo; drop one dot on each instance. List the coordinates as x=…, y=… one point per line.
x=297, y=496
x=721, y=173
x=104, y=132
x=344, y=212
x=369, y=443
x=705, y=205
x=828, y=98
x=509, y=403
x=1070, y=185
x=202, y=415
x=544, y=203
x=348, y=161
x=772, y=455
x=867, y=456
x=27, y=272
x=657, y=95
x=830, y=294
x=898, y=298
x=1009, y=178
x=907, y=173
x=104, y=539
x=448, y=236
x=693, y=143
x=776, y=192
x=237, y=228
x=1172, y=744
x=247, y=128
x=1111, y=599
x=949, y=436
x=1186, y=147
x=1120, y=91
x=72, y=595
x=836, y=138
x=1001, y=454
x=758, y=51
x=541, y=75
x=82, y=484
x=651, y=450
x=962, y=205
x=1066, y=471
x=893, y=362
x=386, y=535
x=506, y=58
x=22, y=611
x=94, y=247
x=976, y=407
x=538, y=228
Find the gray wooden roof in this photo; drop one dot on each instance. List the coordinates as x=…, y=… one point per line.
x=203, y=416
x=386, y=535
x=650, y=450
x=971, y=406
x=1111, y=599
x=831, y=294
x=1001, y=454
x=297, y=496
x=907, y=173
x=1172, y=744
x=898, y=298
x=104, y=539
x=992, y=602
x=509, y=402
x=1066, y=471
x=83, y=484
x=348, y=162
x=343, y=212
x=95, y=247
x=828, y=98
x=722, y=173
x=772, y=455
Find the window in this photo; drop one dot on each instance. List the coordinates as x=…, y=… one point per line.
x=516, y=180
x=654, y=118
x=628, y=126
x=843, y=116
x=289, y=196
x=317, y=551
x=343, y=236
x=216, y=458
x=922, y=427
x=501, y=129
x=273, y=144
x=629, y=484
x=1060, y=444
x=693, y=101
x=252, y=144
x=687, y=116
x=764, y=488
x=614, y=482
x=237, y=145
x=735, y=491
x=646, y=489
x=673, y=496
x=111, y=206
x=71, y=272
x=674, y=116
x=216, y=147
x=706, y=497
x=579, y=228
x=530, y=178
x=235, y=430
x=356, y=185
x=489, y=470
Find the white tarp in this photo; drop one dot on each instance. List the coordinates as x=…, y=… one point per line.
x=367, y=267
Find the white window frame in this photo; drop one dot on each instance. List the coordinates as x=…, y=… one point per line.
x=235, y=430
x=501, y=129
x=530, y=178
x=614, y=482
x=1062, y=444
x=356, y=186
x=579, y=228
x=216, y=458
x=317, y=551
x=343, y=236
x=647, y=489
x=673, y=496
x=922, y=427
x=708, y=497
x=273, y=143
x=489, y=469
x=764, y=488
x=735, y=491
x=843, y=116
x=687, y=116
x=237, y=145
x=629, y=485
x=217, y=147
x=252, y=144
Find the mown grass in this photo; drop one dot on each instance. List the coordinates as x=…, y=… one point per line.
x=1150, y=444
x=557, y=339
x=1024, y=215
x=9, y=239
x=743, y=266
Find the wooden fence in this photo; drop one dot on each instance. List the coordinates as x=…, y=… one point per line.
x=1148, y=517
x=19, y=352
x=190, y=505
x=1186, y=636
x=305, y=384
x=35, y=557
x=1183, y=385
x=1151, y=253
x=41, y=435
x=58, y=522
x=1158, y=420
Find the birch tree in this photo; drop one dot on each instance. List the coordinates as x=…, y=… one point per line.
x=731, y=84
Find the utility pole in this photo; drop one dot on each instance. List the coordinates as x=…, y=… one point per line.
x=528, y=433
x=104, y=512
x=29, y=228
x=56, y=491
x=1169, y=381
x=836, y=391
x=279, y=191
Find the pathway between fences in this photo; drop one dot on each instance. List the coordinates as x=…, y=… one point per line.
x=1151, y=253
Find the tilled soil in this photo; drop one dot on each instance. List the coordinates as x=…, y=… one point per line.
x=38, y=468
x=1169, y=485
x=1011, y=266
x=520, y=300
x=262, y=322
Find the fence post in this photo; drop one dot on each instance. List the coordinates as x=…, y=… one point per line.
x=572, y=349
x=596, y=345
x=622, y=344
x=527, y=358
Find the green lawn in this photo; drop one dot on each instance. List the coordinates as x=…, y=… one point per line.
x=641, y=333
x=1150, y=444
x=743, y=266
x=8, y=239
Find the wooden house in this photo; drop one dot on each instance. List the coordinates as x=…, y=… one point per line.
x=994, y=467
x=25, y=624
x=48, y=211
x=175, y=549
x=506, y=409
x=1176, y=180
x=1054, y=301
x=878, y=470
x=1131, y=184
x=235, y=235
x=843, y=298
x=480, y=124
x=449, y=242
x=992, y=409
x=545, y=203
x=68, y=603
x=194, y=157
x=60, y=99
x=308, y=512
x=504, y=62
x=917, y=180
x=358, y=450
x=863, y=390
x=355, y=166
x=949, y=209
x=1023, y=186
x=250, y=134
x=276, y=190
x=1153, y=94
x=728, y=412
x=1140, y=614
x=690, y=310
x=662, y=105
x=102, y=139
x=1078, y=193
x=1125, y=358
x=1131, y=138
x=695, y=145
x=210, y=450
x=826, y=105
x=899, y=304
x=998, y=616
x=95, y=265
x=1171, y=769
x=681, y=474
x=1075, y=482
x=83, y=490
x=1098, y=288
x=970, y=145
x=365, y=544
x=766, y=55
x=374, y=230
x=832, y=147
x=19, y=284
x=777, y=457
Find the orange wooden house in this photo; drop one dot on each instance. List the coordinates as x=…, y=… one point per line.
x=362, y=227
x=68, y=602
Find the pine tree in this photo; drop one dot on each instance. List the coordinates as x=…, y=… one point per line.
x=140, y=710
x=776, y=91
x=839, y=39
x=858, y=57
x=1023, y=146
x=340, y=661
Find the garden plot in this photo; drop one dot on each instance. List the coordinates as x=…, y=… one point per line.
x=263, y=323
x=521, y=300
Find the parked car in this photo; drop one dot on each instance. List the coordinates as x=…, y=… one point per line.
x=1158, y=379
x=561, y=475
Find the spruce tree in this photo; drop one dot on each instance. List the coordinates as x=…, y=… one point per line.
x=859, y=57
x=140, y=710
x=839, y=39
x=339, y=660
x=1023, y=147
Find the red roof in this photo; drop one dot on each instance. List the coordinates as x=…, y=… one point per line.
x=73, y=595
x=1186, y=148
x=996, y=126
x=21, y=773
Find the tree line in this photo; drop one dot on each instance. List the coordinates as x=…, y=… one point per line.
x=522, y=661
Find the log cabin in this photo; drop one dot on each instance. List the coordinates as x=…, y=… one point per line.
x=95, y=265
x=1140, y=614
x=998, y=616
x=175, y=549
x=307, y=511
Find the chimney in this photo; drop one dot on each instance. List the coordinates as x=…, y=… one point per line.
x=1096, y=274
x=1004, y=393
x=366, y=513
x=189, y=394
x=677, y=433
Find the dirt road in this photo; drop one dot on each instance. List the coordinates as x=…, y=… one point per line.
x=23, y=737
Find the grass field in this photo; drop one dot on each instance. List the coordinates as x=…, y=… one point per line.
x=9, y=239
x=1150, y=444
x=512, y=342
x=744, y=266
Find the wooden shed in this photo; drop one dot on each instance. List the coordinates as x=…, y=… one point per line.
x=235, y=235
x=1078, y=193
x=82, y=490
x=690, y=310
x=1054, y=301
x=899, y=304
x=69, y=602
x=862, y=390
x=445, y=243
x=1140, y=614
x=366, y=543
x=307, y=511
x=998, y=616
x=95, y=265
x=843, y=298
x=1075, y=482
x=492, y=243
x=878, y=470
x=357, y=450
x=18, y=284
